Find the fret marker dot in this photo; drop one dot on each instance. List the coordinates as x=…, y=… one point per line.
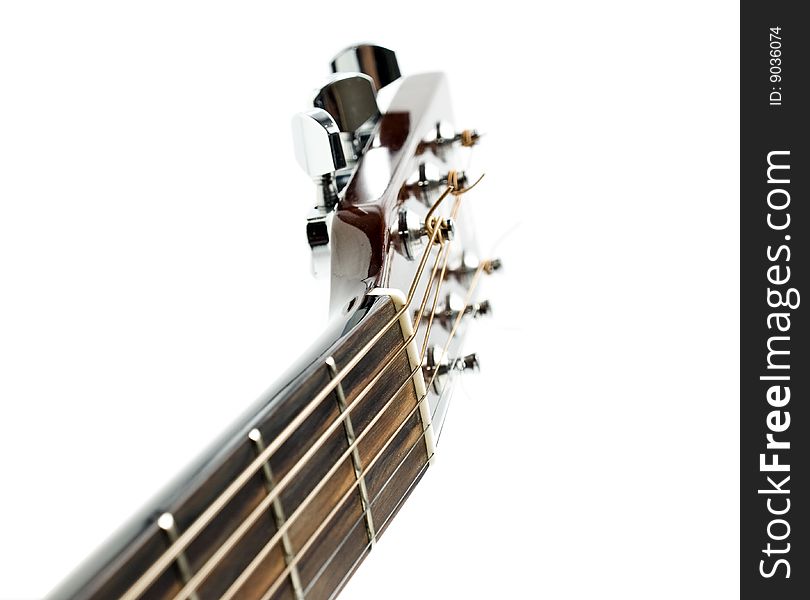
x=166, y=521
x=787, y=237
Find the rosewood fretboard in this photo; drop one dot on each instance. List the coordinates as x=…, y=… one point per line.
x=327, y=532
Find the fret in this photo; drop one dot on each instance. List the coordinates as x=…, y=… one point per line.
x=392, y=513
x=358, y=467
x=167, y=524
x=278, y=515
x=375, y=503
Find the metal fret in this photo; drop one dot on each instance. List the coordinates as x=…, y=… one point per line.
x=358, y=467
x=279, y=517
x=167, y=523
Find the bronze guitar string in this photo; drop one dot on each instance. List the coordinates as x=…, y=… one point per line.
x=170, y=555
x=301, y=551
x=281, y=578
x=262, y=554
x=367, y=547
x=267, y=548
x=212, y=562
x=484, y=266
x=167, y=558
x=208, y=567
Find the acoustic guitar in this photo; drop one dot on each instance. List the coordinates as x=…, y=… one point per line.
x=298, y=491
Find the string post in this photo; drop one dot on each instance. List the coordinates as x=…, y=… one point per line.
x=467, y=363
x=492, y=265
x=446, y=229
x=445, y=139
x=469, y=138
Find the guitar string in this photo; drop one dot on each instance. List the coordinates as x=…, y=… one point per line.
x=268, y=547
x=271, y=543
x=195, y=528
x=362, y=518
x=314, y=536
x=282, y=577
x=367, y=547
x=168, y=557
x=482, y=267
x=206, y=569
x=228, y=545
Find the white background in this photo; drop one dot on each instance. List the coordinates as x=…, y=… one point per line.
x=154, y=280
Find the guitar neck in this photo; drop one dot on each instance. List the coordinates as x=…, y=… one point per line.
x=291, y=499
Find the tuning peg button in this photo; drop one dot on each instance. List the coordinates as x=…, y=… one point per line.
x=350, y=98
x=316, y=138
x=375, y=61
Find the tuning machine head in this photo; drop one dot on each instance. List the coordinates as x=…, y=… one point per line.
x=375, y=61
x=436, y=368
x=316, y=139
x=319, y=151
x=412, y=233
x=444, y=136
x=454, y=305
x=429, y=182
x=351, y=100
x=464, y=267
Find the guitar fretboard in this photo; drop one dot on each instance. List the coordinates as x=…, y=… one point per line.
x=266, y=518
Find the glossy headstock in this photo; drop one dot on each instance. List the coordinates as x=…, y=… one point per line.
x=378, y=200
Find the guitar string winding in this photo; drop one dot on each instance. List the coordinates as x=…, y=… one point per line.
x=433, y=222
x=468, y=138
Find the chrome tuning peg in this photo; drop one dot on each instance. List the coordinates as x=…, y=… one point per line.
x=465, y=267
x=437, y=368
x=453, y=307
x=411, y=233
x=444, y=136
x=351, y=100
x=375, y=61
x=319, y=151
x=428, y=183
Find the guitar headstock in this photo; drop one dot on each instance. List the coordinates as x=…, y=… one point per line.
x=389, y=213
